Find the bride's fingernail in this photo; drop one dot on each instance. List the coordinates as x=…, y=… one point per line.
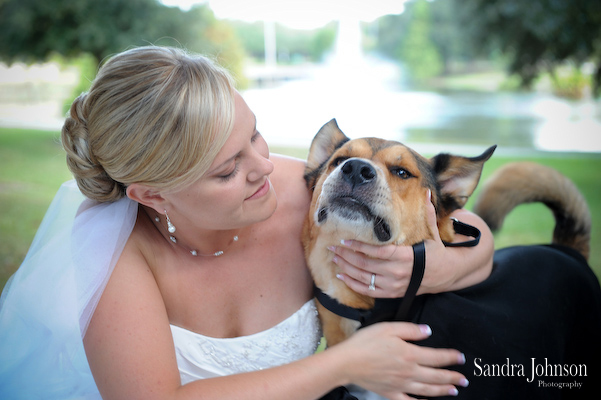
x=453, y=392
x=461, y=358
x=425, y=329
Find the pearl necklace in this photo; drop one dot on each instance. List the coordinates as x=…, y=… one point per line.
x=171, y=229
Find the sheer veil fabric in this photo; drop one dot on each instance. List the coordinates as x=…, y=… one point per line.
x=47, y=304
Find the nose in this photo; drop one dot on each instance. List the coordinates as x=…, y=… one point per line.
x=358, y=172
x=262, y=166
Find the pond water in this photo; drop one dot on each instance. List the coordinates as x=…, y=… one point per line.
x=368, y=99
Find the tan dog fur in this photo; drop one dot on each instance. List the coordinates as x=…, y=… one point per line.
x=528, y=182
x=397, y=197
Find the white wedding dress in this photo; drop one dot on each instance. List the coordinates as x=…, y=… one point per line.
x=47, y=305
x=200, y=356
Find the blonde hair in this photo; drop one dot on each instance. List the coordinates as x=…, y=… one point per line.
x=153, y=115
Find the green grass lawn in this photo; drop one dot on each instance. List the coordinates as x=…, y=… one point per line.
x=32, y=167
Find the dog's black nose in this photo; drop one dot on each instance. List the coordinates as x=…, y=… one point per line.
x=358, y=172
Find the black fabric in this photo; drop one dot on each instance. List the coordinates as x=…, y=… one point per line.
x=531, y=331
x=340, y=393
x=541, y=302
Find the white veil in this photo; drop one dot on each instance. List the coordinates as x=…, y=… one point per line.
x=47, y=304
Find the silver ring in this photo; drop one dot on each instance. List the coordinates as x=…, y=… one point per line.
x=372, y=284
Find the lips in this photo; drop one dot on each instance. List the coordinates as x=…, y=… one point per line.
x=261, y=192
x=351, y=208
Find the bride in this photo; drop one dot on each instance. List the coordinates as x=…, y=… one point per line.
x=173, y=268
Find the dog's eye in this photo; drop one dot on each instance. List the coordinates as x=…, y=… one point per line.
x=338, y=161
x=401, y=173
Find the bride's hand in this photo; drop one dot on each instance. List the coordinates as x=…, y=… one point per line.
x=383, y=362
x=389, y=267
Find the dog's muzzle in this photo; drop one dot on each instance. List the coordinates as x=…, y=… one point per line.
x=350, y=193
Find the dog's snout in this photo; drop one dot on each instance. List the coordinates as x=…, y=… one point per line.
x=358, y=172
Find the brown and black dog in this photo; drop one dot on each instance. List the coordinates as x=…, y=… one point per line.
x=373, y=190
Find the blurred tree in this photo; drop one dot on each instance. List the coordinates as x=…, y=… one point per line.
x=450, y=36
x=417, y=50
x=200, y=32
x=538, y=35
x=443, y=28
x=304, y=44
x=33, y=30
x=388, y=32
x=322, y=41
x=251, y=36
x=292, y=44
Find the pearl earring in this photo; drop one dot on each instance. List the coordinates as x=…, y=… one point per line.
x=170, y=226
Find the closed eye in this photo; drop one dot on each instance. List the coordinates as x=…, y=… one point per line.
x=231, y=174
x=228, y=176
x=401, y=173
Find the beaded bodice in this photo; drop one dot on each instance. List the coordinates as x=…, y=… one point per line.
x=200, y=357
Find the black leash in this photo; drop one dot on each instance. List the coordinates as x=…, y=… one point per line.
x=397, y=309
x=419, y=268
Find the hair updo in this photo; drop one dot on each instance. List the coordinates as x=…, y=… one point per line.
x=153, y=115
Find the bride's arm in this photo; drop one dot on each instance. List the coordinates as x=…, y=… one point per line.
x=131, y=354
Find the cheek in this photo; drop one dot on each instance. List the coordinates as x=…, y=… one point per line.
x=214, y=212
x=219, y=199
x=230, y=196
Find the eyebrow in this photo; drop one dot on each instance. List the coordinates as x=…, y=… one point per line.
x=229, y=160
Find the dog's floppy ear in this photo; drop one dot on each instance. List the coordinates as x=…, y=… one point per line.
x=324, y=144
x=457, y=177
